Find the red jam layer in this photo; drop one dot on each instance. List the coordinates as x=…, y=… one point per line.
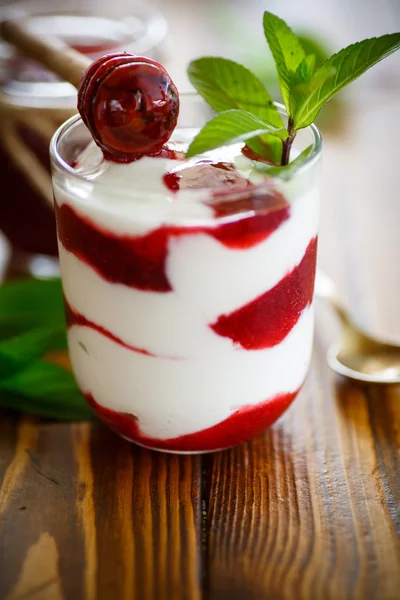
x=243, y=425
x=268, y=319
x=140, y=261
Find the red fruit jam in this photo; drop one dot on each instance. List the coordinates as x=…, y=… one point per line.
x=140, y=261
x=243, y=425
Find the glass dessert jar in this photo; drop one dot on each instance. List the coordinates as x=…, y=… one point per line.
x=190, y=317
x=33, y=103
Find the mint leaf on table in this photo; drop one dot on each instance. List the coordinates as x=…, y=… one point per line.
x=18, y=351
x=348, y=64
x=225, y=85
x=287, y=51
x=30, y=303
x=45, y=390
x=34, y=343
x=230, y=127
x=32, y=324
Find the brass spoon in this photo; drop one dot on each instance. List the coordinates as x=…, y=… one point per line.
x=358, y=355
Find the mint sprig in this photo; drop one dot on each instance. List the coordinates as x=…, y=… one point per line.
x=45, y=390
x=30, y=303
x=21, y=350
x=306, y=100
x=228, y=86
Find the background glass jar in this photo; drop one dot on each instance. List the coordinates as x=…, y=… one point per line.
x=188, y=331
x=33, y=103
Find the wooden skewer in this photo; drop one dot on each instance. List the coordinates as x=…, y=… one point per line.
x=52, y=52
x=62, y=60
x=27, y=162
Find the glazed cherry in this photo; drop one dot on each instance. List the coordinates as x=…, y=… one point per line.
x=129, y=104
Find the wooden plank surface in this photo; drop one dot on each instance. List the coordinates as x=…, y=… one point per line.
x=84, y=514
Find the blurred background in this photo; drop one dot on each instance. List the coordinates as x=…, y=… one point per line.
x=360, y=216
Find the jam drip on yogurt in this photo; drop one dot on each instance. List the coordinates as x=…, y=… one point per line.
x=205, y=174
x=140, y=261
x=244, y=424
x=74, y=318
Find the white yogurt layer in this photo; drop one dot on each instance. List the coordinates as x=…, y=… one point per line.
x=176, y=397
x=196, y=378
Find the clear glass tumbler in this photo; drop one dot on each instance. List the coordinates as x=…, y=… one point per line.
x=195, y=334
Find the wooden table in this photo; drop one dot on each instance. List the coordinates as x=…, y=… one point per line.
x=308, y=511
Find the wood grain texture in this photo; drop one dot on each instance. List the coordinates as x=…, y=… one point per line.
x=86, y=515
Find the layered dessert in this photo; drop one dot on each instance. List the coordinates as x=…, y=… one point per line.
x=188, y=277
x=188, y=286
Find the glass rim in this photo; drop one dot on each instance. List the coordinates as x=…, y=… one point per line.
x=60, y=163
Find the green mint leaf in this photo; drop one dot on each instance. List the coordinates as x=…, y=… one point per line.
x=30, y=303
x=45, y=390
x=74, y=409
x=32, y=344
x=230, y=127
x=287, y=171
x=226, y=85
x=349, y=64
x=17, y=352
x=306, y=68
x=286, y=49
x=301, y=92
